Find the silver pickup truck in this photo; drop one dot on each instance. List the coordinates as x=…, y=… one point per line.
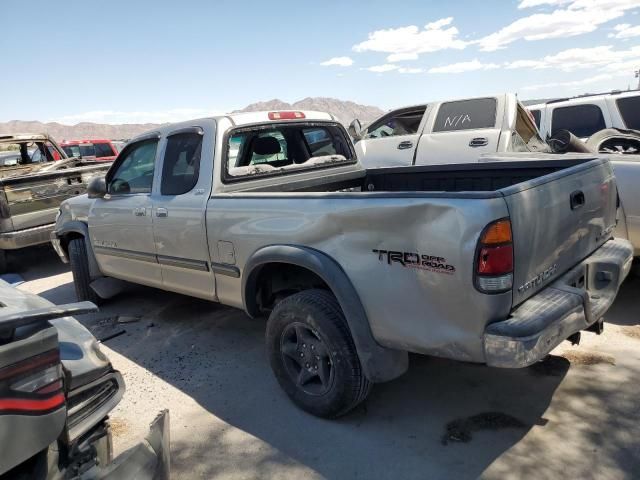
x=272, y=213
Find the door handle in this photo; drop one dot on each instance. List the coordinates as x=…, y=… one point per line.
x=577, y=199
x=139, y=212
x=162, y=212
x=479, y=142
x=405, y=145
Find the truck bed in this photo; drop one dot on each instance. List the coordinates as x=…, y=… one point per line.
x=469, y=177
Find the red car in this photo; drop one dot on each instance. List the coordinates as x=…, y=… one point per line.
x=100, y=150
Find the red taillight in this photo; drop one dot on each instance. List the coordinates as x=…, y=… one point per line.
x=495, y=260
x=32, y=385
x=285, y=115
x=494, y=268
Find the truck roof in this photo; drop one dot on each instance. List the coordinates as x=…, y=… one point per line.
x=586, y=98
x=79, y=142
x=24, y=137
x=247, y=118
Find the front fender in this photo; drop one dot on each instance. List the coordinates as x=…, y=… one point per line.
x=380, y=364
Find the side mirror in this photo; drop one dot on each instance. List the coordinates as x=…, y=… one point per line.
x=97, y=187
x=355, y=129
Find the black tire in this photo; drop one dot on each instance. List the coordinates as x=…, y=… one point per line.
x=80, y=269
x=310, y=320
x=4, y=264
x=605, y=141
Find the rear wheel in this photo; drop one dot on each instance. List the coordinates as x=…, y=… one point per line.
x=80, y=269
x=313, y=355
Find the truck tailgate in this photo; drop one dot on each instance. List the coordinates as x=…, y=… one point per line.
x=557, y=221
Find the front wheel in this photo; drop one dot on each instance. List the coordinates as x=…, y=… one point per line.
x=80, y=269
x=313, y=355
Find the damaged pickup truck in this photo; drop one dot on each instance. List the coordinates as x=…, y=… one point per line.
x=271, y=212
x=32, y=188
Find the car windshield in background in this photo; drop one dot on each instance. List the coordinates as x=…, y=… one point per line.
x=283, y=148
x=630, y=110
x=581, y=120
x=466, y=115
x=81, y=150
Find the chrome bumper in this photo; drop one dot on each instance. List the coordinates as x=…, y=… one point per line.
x=570, y=304
x=25, y=238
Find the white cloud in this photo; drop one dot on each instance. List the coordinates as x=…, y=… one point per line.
x=572, y=84
x=411, y=40
x=531, y=64
x=387, y=67
x=580, y=58
x=338, y=61
x=410, y=70
x=117, y=117
x=625, y=30
x=438, y=24
x=400, y=57
x=537, y=3
x=462, y=67
x=578, y=17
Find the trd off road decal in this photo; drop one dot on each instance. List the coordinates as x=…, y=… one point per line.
x=416, y=260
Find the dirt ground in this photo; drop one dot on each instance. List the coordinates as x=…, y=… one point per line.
x=575, y=415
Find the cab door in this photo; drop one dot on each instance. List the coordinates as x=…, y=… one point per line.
x=179, y=206
x=391, y=140
x=120, y=224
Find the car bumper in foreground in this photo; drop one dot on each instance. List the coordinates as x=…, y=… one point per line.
x=570, y=304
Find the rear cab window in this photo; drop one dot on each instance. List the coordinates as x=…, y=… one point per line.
x=103, y=150
x=280, y=149
x=472, y=114
x=581, y=120
x=629, y=108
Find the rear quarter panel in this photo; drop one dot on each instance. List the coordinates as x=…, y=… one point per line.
x=423, y=310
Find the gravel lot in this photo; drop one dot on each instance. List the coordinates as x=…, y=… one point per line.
x=576, y=415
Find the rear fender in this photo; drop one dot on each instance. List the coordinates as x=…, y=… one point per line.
x=380, y=364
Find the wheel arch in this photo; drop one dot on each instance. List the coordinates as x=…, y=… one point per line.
x=379, y=363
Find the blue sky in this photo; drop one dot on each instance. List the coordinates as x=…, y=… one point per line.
x=139, y=61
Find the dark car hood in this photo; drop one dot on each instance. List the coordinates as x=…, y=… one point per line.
x=82, y=359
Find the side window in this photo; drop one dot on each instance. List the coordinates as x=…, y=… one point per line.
x=181, y=166
x=581, y=120
x=134, y=171
x=319, y=142
x=103, y=150
x=406, y=122
x=536, y=117
x=629, y=108
x=466, y=115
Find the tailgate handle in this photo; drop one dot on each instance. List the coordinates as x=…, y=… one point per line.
x=479, y=142
x=577, y=199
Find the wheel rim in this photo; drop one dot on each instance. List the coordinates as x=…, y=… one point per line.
x=307, y=359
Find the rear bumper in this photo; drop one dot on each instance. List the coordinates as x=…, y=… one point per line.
x=570, y=304
x=26, y=238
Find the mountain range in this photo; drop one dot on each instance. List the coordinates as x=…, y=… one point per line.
x=345, y=111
